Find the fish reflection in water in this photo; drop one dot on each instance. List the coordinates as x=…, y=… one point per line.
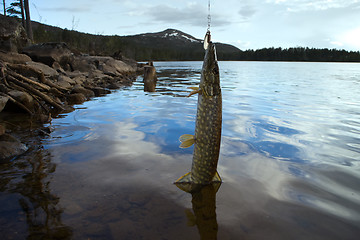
x=204, y=210
x=36, y=204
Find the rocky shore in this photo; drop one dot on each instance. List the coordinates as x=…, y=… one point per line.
x=38, y=82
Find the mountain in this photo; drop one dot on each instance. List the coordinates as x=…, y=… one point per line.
x=168, y=45
x=174, y=45
x=171, y=35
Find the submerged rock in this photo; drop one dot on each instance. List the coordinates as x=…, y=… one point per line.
x=10, y=147
x=100, y=91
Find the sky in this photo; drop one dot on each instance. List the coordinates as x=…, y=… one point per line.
x=246, y=24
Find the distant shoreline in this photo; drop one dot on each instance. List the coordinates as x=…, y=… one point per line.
x=163, y=46
x=252, y=61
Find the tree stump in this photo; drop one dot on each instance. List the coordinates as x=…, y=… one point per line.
x=150, y=78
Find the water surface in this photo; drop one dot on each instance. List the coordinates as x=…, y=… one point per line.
x=289, y=160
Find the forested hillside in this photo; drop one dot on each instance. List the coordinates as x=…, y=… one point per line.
x=300, y=54
x=167, y=45
x=175, y=45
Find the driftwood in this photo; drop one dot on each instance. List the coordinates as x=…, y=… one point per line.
x=53, y=85
x=39, y=74
x=35, y=92
x=27, y=69
x=28, y=80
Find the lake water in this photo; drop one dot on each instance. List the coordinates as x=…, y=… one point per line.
x=289, y=160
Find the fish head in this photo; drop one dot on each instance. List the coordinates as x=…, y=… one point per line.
x=210, y=71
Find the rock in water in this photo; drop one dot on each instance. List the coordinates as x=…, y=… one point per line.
x=10, y=147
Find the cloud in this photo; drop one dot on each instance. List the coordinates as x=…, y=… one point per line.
x=310, y=5
x=193, y=15
x=247, y=12
x=351, y=38
x=68, y=9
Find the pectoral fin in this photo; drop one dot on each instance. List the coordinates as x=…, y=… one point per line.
x=195, y=91
x=187, y=140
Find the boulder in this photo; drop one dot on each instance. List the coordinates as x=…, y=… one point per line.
x=64, y=84
x=86, y=92
x=84, y=64
x=100, y=91
x=22, y=97
x=79, y=79
x=12, y=57
x=98, y=75
x=48, y=53
x=48, y=71
x=114, y=67
x=118, y=56
x=77, y=73
x=107, y=65
x=10, y=147
x=76, y=98
x=66, y=79
x=58, y=68
x=113, y=85
x=12, y=34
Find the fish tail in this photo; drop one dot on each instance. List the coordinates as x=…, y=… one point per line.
x=184, y=179
x=217, y=177
x=186, y=184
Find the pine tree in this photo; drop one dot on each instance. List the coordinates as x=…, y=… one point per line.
x=14, y=9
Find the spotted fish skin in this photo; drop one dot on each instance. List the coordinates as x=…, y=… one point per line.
x=207, y=128
x=208, y=121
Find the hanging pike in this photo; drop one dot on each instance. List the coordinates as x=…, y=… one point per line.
x=208, y=124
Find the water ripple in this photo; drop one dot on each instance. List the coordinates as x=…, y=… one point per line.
x=290, y=139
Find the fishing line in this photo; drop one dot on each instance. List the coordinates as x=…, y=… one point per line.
x=209, y=17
